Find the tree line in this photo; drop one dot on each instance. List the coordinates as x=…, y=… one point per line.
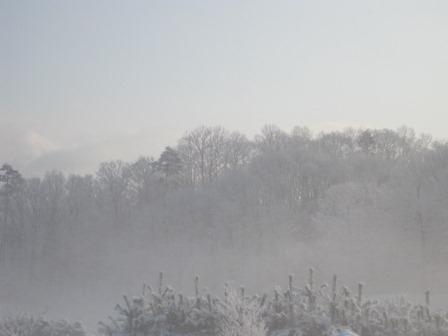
x=364, y=191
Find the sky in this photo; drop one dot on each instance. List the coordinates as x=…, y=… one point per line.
x=83, y=82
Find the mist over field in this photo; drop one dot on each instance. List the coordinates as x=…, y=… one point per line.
x=368, y=205
x=223, y=168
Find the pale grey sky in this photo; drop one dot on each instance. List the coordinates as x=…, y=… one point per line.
x=86, y=81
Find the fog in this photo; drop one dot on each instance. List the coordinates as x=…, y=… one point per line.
x=369, y=205
x=223, y=168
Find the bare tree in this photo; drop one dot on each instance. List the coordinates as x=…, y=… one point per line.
x=113, y=180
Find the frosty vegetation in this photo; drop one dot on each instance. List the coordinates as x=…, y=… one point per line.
x=371, y=205
x=307, y=311
x=294, y=311
x=39, y=326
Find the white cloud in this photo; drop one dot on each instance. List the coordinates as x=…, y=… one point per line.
x=39, y=144
x=34, y=153
x=19, y=145
x=85, y=158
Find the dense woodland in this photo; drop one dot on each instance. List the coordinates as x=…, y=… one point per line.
x=371, y=202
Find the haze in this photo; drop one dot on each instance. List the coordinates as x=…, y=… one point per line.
x=82, y=82
x=243, y=141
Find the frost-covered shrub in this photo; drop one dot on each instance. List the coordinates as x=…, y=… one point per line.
x=241, y=316
x=307, y=311
x=39, y=326
x=164, y=313
x=160, y=312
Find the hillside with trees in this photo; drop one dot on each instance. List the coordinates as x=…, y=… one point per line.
x=371, y=204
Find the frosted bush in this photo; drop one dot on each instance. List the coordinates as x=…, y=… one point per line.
x=39, y=326
x=308, y=311
x=241, y=316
